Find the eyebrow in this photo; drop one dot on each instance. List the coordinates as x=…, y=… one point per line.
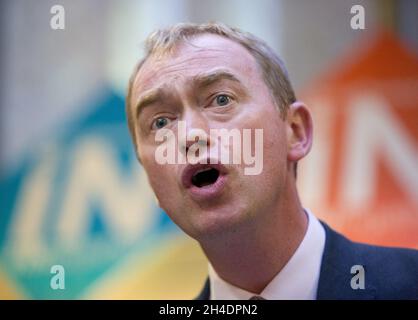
x=150, y=97
x=199, y=81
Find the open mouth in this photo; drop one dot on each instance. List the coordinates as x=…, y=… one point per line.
x=200, y=176
x=205, y=177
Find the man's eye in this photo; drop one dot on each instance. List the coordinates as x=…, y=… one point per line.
x=222, y=100
x=159, y=123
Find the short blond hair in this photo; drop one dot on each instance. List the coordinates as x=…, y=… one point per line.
x=271, y=66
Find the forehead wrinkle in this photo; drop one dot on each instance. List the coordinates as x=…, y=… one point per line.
x=211, y=77
x=181, y=59
x=164, y=65
x=184, y=64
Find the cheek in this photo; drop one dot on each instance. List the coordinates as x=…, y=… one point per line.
x=274, y=133
x=161, y=179
x=164, y=185
x=275, y=141
x=274, y=145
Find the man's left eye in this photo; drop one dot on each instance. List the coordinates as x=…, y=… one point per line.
x=222, y=100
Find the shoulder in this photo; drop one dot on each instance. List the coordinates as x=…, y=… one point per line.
x=390, y=273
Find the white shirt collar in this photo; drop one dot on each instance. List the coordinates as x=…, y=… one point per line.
x=297, y=280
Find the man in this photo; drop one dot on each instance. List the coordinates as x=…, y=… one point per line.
x=259, y=240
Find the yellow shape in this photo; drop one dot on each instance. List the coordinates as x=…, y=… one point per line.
x=176, y=269
x=9, y=291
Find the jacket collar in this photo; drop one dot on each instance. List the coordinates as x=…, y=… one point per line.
x=335, y=275
x=340, y=255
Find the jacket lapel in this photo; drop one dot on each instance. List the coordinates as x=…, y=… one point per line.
x=205, y=292
x=335, y=275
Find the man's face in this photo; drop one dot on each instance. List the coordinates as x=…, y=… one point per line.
x=176, y=87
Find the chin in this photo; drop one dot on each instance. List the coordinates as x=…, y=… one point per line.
x=209, y=224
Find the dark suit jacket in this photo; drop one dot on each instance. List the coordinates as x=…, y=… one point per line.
x=390, y=273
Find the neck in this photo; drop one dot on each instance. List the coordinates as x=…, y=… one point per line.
x=249, y=258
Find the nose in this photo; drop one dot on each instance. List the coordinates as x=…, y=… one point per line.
x=196, y=128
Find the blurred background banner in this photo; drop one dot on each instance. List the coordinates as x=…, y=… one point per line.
x=72, y=191
x=362, y=174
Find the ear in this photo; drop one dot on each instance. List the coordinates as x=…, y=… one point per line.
x=299, y=131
